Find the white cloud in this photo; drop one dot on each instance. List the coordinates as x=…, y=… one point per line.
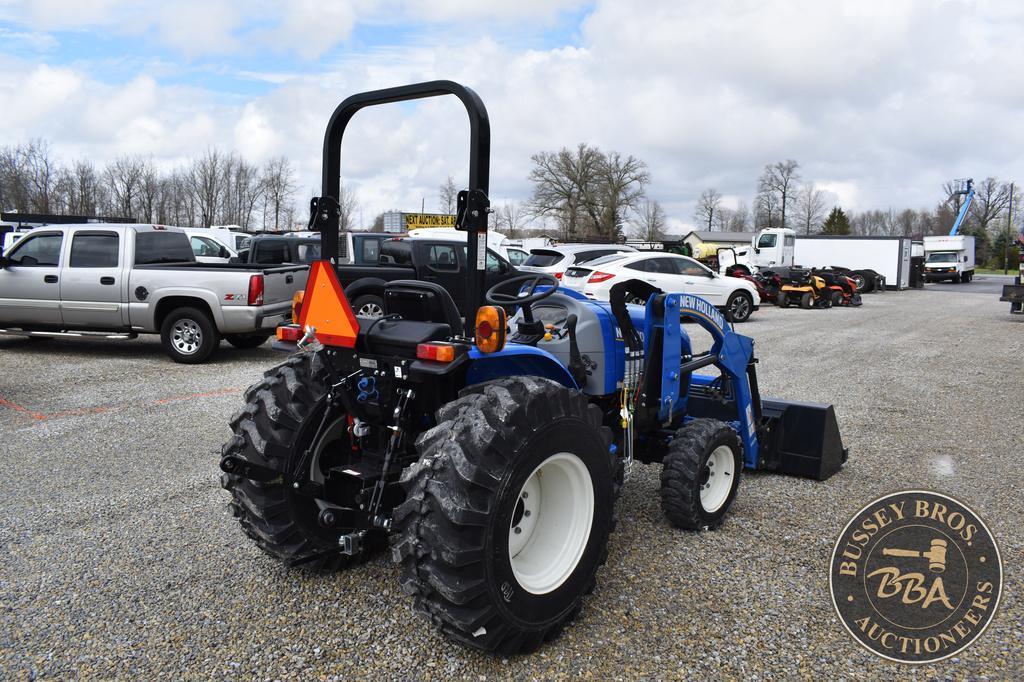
x=879, y=103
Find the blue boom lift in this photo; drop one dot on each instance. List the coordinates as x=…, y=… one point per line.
x=966, y=188
x=490, y=452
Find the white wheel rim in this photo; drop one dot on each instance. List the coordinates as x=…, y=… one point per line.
x=717, y=478
x=551, y=523
x=186, y=336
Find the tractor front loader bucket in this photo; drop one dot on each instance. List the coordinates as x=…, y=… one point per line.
x=801, y=439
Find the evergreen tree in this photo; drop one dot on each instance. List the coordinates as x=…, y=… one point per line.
x=836, y=223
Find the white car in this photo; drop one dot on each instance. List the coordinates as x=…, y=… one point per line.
x=207, y=247
x=554, y=260
x=735, y=297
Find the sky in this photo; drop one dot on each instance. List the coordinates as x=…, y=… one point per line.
x=880, y=103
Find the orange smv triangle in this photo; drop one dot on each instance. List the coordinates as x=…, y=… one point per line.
x=325, y=308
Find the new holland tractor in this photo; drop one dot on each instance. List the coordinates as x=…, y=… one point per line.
x=489, y=453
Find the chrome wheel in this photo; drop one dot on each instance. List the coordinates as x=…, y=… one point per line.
x=186, y=336
x=370, y=309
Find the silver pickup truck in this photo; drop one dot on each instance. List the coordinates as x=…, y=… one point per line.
x=117, y=281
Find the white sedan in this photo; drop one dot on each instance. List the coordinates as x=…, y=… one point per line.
x=736, y=297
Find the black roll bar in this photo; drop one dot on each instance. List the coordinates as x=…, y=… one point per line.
x=474, y=220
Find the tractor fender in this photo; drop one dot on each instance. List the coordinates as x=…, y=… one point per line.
x=365, y=285
x=516, y=360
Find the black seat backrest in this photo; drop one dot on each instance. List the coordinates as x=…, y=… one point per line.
x=422, y=302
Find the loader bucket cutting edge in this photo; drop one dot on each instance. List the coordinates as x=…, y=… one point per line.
x=802, y=439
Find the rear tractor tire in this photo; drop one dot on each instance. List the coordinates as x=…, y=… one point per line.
x=837, y=298
x=782, y=300
x=807, y=301
x=508, y=513
x=281, y=416
x=701, y=474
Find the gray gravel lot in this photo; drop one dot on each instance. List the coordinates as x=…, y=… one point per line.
x=118, y=558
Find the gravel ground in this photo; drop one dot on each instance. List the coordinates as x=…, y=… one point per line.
x=118, y=558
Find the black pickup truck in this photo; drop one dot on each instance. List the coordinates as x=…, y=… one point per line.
x=430, y=260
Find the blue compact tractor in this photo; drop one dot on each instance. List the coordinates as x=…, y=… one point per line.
x=488, y=453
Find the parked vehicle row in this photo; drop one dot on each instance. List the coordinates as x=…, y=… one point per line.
x=118, y=281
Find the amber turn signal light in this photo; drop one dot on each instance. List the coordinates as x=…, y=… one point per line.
x=437, y=352
x=490, y=329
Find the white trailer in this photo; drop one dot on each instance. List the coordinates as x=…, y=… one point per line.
x=888, y=256
x=949, y=257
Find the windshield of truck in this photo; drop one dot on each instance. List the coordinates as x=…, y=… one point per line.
x=942, y=258
x=542, y=259
x=767, y=241
x=161, y=246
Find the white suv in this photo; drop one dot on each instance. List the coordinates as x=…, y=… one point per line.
x=555, y=260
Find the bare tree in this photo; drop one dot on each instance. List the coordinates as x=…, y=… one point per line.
x=779, y=179
x=42, y=174
x=123, y=178
x=279, y=186
x=991, y=197
x=810, y=205
x=447, y=195
x=88, y=189
x=621, y=184
x=149, y=192
x=508, y=218
x=707, y=207
x=650, y=221
x=739, y=218
x=562, y=183
x=206, y=185
x=766, y=206
x=349, y=204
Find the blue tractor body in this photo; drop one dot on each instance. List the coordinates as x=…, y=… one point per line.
x=489, y=452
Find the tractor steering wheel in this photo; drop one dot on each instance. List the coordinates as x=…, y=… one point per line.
x=496, y=295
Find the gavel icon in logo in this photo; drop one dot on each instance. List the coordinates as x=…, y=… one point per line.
x=936, y=556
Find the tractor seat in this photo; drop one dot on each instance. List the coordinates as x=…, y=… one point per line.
x=422, y=302
x=425, y=313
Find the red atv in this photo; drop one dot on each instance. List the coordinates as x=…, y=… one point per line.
x=842, y=289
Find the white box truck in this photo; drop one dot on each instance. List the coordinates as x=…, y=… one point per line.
x=949, y=257
x=888, y=256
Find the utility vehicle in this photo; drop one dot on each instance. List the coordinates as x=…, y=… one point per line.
x=491, y=464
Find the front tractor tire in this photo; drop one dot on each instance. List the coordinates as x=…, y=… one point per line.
x=701, y=474
x=508, y=513
x=278, y=422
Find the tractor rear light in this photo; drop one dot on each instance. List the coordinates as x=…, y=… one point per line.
x=490, y=329
x=289, y=332
x=436, y=352
x=297, y=305
x=599, y=277
x=256, y=290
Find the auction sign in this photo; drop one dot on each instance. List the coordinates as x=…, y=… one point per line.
x=916, y=576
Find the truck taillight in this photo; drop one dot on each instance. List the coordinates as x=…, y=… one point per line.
x=297, y=305
x=256, y=290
